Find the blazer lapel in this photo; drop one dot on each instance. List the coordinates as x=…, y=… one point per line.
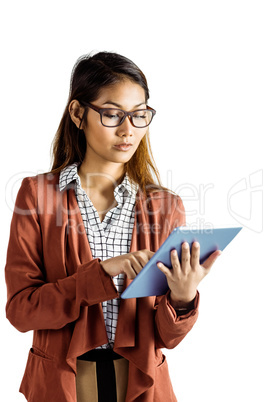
x=78, y=247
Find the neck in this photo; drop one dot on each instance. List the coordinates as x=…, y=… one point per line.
x=103, y=179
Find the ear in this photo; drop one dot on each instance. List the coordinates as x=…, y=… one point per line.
x=76, y=113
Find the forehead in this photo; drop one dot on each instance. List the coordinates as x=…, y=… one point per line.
x=126, y=94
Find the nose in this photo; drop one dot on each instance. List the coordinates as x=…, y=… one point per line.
x=126, y=128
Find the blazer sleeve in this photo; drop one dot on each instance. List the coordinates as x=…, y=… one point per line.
x=33, y=303
x=170, y=329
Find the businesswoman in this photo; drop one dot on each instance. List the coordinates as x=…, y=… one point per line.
x=82, y=232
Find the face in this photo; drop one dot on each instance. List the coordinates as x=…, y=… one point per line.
x=114, y=144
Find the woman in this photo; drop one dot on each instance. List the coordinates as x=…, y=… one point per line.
x=80, y=233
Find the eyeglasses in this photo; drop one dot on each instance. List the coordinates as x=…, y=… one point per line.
x=111, y=117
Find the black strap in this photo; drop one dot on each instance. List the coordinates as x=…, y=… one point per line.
x=106, y=381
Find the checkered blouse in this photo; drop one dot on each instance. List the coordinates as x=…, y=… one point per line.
x=109, y=238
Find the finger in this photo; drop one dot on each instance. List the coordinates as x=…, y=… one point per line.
x=131, y=264
x=185, y=257
x=195, y=255
x=137, y=265
x=130, y=272
x=211, y=259
x=149, y=254
x=175, y=262
x=143, y=256
x=164, y=269
x=146, y=252
x=141, y=259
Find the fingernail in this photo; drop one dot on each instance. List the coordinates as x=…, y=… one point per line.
x=159, y=264
x=174, y=252
x=185, y=245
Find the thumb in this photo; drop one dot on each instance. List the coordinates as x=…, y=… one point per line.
x=211, y=259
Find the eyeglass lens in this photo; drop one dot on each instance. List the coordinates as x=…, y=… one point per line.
x=114, y=117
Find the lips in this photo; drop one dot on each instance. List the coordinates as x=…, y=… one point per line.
x=123, y=147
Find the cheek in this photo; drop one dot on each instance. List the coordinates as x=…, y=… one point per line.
x=142, y=135
x=98, y=134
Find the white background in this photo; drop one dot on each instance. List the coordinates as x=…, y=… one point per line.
x=206, y=64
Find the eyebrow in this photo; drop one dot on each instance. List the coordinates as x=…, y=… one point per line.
x=120, y=106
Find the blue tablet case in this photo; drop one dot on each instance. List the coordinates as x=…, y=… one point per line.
x=152, y=282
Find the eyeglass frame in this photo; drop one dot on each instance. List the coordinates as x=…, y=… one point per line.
x=126, y=114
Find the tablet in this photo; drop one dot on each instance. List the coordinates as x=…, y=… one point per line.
x=152, y=282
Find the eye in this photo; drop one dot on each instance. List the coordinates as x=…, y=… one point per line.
x=111, y=115
x=140, y=115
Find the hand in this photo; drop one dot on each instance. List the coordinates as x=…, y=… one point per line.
x=130, y=264
x=184, y=277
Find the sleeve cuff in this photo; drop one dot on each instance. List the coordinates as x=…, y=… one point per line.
x=94, y=285
x=183, y=313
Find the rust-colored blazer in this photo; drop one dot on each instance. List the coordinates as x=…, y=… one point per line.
x=55, y=288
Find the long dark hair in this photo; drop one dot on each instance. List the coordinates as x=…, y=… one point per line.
x=89, y=76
